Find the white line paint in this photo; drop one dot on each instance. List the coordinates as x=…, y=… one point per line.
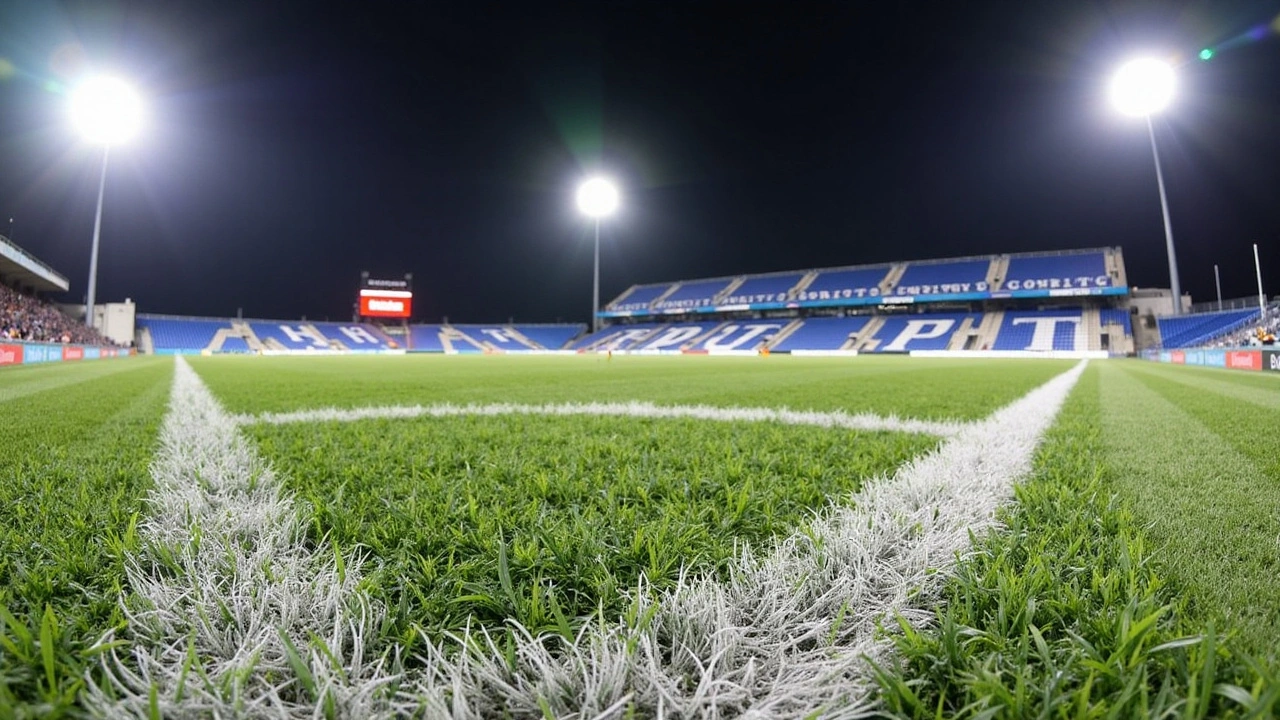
x=225, y=573
x=786, y=636
x=635, y=409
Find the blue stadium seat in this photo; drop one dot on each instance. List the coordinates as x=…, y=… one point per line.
x=234, y=345
x=943, y=277
x=617, y=337
x=639, y=297
x=766, y=289
x=823, y=333
x=182, y=335
x=1052, y=272
x=676, y=336
x=355, y=336
x=290, y=335
x=1042, y=330
x=550, y=337
x=741, y=334
x=932, y=331
x=1192, y=330
x=693, y=295
x=844, y=284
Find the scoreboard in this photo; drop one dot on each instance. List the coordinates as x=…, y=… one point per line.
x=385, y=298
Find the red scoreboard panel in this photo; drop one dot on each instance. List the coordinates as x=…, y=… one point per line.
x=386, y=303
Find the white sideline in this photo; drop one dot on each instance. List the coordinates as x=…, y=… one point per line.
x=833, y=419
x=224, y=574
x=786, y=636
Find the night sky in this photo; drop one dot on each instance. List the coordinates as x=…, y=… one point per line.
x=291, y=145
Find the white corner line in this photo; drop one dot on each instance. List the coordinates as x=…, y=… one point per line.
x=633, y=409
x=228, y=573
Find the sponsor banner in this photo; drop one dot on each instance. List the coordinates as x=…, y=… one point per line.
x=1214, y=358
x=92, y=353
x=10, y=354
x=72, y=352
x=1178, y=357
x=1244, y=359
x=42, y=353
x=1271, y=360
x=1166, y=356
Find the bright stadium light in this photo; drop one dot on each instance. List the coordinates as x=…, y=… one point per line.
x=106, y=111
x=1141, y=88
x=597, y=198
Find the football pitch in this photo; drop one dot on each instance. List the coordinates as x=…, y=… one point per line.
x=581, y=537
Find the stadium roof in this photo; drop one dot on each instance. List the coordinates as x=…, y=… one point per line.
x=17, y=266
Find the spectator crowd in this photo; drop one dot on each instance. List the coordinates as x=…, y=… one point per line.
x=25, y=318
x=1263, y=333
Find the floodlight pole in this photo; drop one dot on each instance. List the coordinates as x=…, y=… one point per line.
x=1217, y=281
x=1262, y=299
x=97, y=230
x=1175, y=285
x=595, y=285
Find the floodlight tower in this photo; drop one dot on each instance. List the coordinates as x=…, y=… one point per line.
x=107, y=112
x=597, y=199
x=1144, y=87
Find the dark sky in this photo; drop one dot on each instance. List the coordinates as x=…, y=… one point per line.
x=291, y=145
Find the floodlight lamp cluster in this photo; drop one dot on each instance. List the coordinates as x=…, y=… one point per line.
x=1143, y=87
x=597, y=198
x=106, y=110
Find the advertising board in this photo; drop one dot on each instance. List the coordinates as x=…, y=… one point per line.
x=10, y=354
x=1271, y=360
x=1244, y=359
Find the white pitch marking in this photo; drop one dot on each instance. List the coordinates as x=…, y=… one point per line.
x=764, y=644
x=788, y=635
x=224, y=574
x=635, y=409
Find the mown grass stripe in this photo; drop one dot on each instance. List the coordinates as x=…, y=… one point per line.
x=23, y=382
x=1065, y=613
x=72, y=476
x=1213, y=512
x=635, y=409
x=1218, y=383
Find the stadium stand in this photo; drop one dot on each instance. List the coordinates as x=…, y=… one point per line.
x=181, y=334
x=1042, y=330
x=763, y=289
x=939, y=278
x=288, y=336
x=549, y=337
x=904, y=333
x=822, y=333
x=1193, y=330
x=1053, y=272
x=638, y=297
x=693, y=295
x=235, y=345
x=741, y=335
x=841, y=284
x=23, y=317
x=617, y=337
x=354, y=336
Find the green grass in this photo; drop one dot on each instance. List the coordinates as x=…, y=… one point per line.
x=73, y=471
x=1201, y=468
x=1136, y=575
x=935, y=389
x=1077, y=609
x=549, y=519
